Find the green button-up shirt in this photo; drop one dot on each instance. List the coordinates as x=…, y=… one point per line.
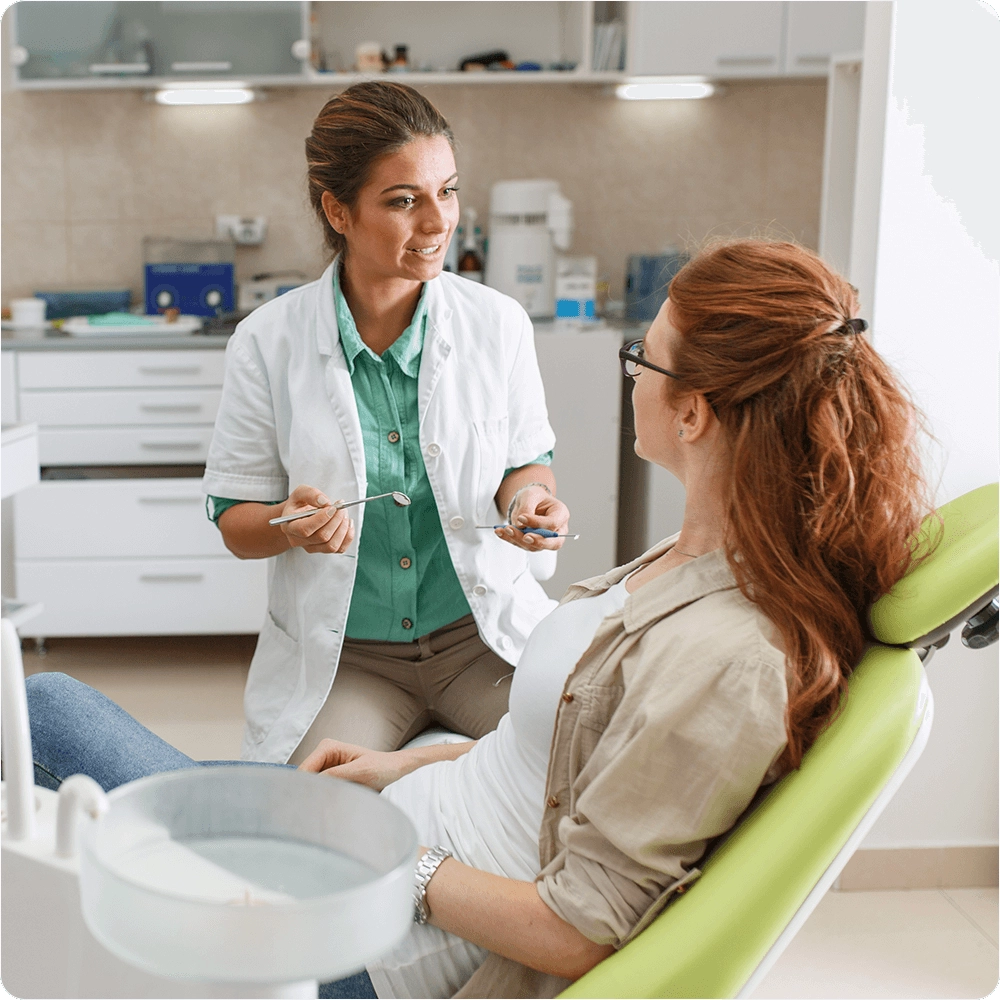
x=405, y=572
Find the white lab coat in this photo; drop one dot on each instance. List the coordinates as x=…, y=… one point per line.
x=288, y=417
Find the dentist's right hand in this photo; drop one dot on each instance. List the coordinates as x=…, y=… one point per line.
x=328, y=530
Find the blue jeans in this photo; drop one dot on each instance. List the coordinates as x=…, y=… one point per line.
x=77, y=730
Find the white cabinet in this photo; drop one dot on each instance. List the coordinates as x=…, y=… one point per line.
x=583, y=384
x=8, y=387
x=109, y=543
x=819, y=29
x=718, y=38
x=731, y=39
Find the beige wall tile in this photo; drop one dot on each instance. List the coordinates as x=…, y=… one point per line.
x=33, y=257
x=641, y=175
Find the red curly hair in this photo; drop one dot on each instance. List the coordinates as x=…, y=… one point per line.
x=826, y=490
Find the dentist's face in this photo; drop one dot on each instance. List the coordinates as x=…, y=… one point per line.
x=403, y=218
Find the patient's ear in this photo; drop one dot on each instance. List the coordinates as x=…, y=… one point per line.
x=695, y=417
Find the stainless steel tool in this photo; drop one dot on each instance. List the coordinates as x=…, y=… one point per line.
x=398, y=498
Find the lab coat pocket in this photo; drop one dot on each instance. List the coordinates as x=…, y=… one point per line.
x=491, y=452
x=274, y=672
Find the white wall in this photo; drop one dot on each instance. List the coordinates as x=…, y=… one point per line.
x=936, y=317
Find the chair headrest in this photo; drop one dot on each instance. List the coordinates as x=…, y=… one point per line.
x=957, y=579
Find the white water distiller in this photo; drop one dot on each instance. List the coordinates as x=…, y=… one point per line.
x=529, y=221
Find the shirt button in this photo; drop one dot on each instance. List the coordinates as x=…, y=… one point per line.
x=405, y=562
x=434, y=450
x=457, y=522
x=393, y=437
x=406, y=623
x=552, y=802
x=504, y=642
x=479, y=590
x=567, y=697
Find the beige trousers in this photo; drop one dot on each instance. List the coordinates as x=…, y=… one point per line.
x=385, y=693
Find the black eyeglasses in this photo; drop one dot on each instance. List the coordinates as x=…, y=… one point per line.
x=632, y=359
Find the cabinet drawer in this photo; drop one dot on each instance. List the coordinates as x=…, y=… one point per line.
x=119, y=369
x=8, y=389
x=111, y=518
x=144, y=597
x=186, y=445
x=80, y=408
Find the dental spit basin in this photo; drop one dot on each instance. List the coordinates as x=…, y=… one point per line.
x=248, y=874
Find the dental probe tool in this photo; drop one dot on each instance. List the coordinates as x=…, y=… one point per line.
x=399, y=499
x=544, y=532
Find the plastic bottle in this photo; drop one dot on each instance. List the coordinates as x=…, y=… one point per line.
x=470, y=263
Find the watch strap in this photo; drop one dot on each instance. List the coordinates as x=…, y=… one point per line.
x=427, y=865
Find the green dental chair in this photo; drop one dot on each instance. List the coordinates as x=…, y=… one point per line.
x=725, y=933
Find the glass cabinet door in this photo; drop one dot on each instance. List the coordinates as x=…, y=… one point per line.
x=185, y=39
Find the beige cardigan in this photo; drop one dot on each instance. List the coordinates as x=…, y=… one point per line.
x=667, y=726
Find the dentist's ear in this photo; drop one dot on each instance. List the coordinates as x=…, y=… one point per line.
x=335, y=212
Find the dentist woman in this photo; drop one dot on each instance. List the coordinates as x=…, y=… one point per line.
x=385, y=374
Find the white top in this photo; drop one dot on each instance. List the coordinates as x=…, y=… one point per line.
x=288, y=416
x=486, y=807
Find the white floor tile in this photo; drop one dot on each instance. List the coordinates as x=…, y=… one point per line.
x=884, y=944
x=981, y=906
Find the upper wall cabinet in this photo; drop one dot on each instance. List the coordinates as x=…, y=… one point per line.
x=741, y=38
x=714, y=38
x=130, y=42
x=819, y=29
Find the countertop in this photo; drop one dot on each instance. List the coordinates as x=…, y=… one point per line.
x=217, y=337
x=55, y=340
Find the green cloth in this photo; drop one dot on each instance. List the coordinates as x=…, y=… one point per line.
x=427, y=593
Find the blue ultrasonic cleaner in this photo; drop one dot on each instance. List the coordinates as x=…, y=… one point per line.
x=194, y=276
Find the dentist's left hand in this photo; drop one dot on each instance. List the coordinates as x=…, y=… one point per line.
x=373, y=768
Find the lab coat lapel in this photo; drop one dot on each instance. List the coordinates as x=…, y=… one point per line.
x=337, y=378
x=437, y=347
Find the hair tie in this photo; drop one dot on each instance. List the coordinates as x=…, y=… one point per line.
x=855, y=326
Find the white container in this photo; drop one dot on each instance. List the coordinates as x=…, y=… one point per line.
x=576, y=289
x=27, y=312
x=248, y=874
x=529, y=220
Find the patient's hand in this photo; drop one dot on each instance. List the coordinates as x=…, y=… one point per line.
x=358, y=764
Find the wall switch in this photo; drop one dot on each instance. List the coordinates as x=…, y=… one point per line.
x=245, y=230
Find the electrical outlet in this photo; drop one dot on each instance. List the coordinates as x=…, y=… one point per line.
x=245, y=230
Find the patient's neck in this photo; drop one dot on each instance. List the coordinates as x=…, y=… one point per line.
x=706, y=487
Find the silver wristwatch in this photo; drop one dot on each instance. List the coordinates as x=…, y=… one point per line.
x=428, y=864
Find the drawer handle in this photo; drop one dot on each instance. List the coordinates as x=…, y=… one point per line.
x=746, y=60
x=170, y=445
x=172, y=577
x=171, y=407
x=171, y=499
x=813, y=60
x=170, y=370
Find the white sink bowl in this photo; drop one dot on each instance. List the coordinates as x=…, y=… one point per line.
x=248, y=874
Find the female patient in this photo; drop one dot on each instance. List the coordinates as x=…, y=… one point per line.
x=654, y=701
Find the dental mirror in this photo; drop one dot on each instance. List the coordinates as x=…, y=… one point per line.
x=398, y=498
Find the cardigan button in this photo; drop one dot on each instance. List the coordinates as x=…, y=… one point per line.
x=393, y=437
x=406, y=623
x=567, y=697
x=405, y=562
x=552, y=802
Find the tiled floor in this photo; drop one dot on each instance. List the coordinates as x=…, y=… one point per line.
x=857, y=944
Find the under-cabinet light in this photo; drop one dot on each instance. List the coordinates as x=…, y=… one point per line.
x=205, y=95
x=683, y=88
